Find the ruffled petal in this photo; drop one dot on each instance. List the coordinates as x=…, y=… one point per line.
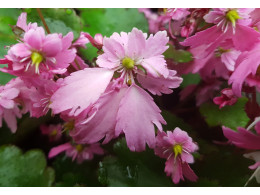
x=80, y=90
x=136, y=118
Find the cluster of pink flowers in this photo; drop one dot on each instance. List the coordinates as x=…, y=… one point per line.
x=112, y=98
x=225, y=44
x=100, y=103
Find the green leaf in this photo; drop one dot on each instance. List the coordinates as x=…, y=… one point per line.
x=107, y=21
x=70, y=173
x=190, y=79
x=8, y=16
x=21, y=170
x=132, y=169
x=58, y=20
x=229, y=116
x=173, y=121
x=180, y=55
x=5, y=40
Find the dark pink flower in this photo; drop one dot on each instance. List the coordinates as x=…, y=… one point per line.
x=177, y=147
x=242, y=138
x=227, y=98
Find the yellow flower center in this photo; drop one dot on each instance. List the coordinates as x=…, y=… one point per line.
x=54, y=132
x=79, y=148
x=37, y=58
x=232, y=16
x=128, y=63
x=177, y=149
x=68, y=126
x=220, y=51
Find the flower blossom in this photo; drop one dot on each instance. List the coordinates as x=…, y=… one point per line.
x=242, y=138
x=177, y=147
x=9, y=107
x=227, y=98
x=177, y=13
x=247, y=70
x=229, y=24
x=77, y=152
x=53, y=131
x=130, y=57
x=39, y=53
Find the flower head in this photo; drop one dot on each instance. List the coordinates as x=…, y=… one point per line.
x=176, y=147
x=77, y=151
x=39, y=53
x=8, y=106
x=53, y=131
x=227, y=98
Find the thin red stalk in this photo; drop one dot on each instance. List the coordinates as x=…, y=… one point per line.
x=43, y=21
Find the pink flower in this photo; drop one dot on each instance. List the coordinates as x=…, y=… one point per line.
x=8, y=107
x=219, y=63
x=177, y=13
x=129, y=51
x=79, y=152
x=176, y=147
x=128, y=55
x=242, y=138
x=119, y=105
x=53, y=131
x=226, y=18
x=227, y=98
x=247, y=69
x=97, y=41
x=40, y=97
x=233, y=25
x=38, y=53
x=22, y=23
x=80, y=90
x=155, y=21
x=128, y=110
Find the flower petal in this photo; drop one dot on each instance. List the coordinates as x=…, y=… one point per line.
x=80, y=90
x=136, y=118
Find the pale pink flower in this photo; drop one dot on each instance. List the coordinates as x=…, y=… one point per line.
x=227, y=98
x=128, y=110
x=40, y=53
x=22, y=23
x=128, y=55
x=54, y=132
x=8, y=106
x=131, y=110
x=77, y=151
x=177, y=147
x=80, y=90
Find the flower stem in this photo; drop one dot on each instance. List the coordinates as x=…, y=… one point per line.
x=43, y=21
